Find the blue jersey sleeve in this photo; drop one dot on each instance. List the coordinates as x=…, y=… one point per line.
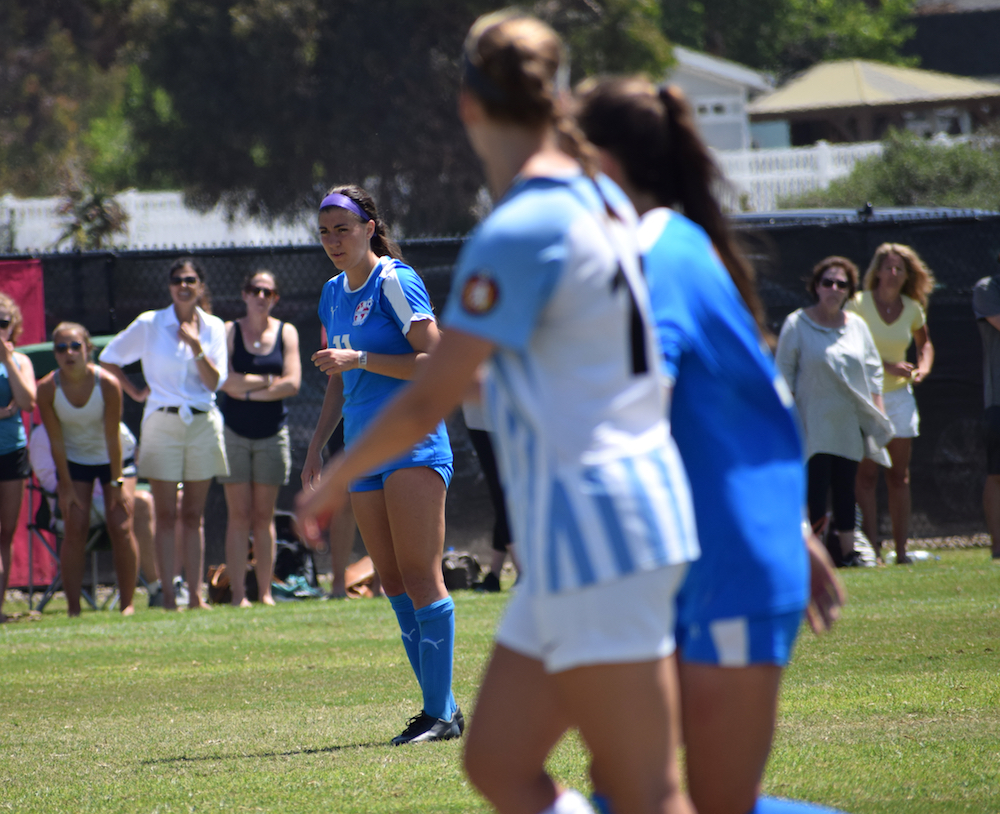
x=404, y=297
x=506, y=274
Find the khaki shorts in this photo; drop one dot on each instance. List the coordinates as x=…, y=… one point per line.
x=267, y=461
x=177, y=452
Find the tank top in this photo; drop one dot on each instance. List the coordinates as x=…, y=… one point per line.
x=83, y=427
x=12, y=435
x=255, y=419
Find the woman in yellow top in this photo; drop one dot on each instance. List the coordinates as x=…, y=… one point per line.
x=894, y=303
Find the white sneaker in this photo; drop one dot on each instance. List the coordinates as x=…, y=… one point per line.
x=181, y=595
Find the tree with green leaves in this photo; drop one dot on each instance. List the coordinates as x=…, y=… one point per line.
x=785, y=36
x=912, y=171
x=262, y=104
x=61, y=90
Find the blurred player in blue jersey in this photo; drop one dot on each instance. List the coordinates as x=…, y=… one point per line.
x=741, y=604
x=380, y=327
x=549, y=292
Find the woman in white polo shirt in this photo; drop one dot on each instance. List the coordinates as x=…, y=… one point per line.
x=183, y=352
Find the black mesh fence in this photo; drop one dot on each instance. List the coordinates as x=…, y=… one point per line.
x=949, y=462
x=106, y=291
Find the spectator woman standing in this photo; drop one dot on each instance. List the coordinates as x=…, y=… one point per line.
x=17, y=395
x=183, y=352
x=264, y=369
x=830, y=362
x=893, y=302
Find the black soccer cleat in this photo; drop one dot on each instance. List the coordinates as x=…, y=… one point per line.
x=424, y=728
x=459, y=720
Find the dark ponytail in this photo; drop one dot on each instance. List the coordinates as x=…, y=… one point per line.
x=381, y=243
x=652, y=133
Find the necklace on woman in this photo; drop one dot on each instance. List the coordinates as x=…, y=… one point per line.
x=886, y=309
x=257, y=342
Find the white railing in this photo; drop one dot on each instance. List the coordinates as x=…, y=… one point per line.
x=761, y=177
x=156, y=220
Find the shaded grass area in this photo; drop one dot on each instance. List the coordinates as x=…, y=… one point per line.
x=290, y=709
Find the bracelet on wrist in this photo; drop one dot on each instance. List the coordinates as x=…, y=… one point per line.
x=362, y=359
x=199, y=356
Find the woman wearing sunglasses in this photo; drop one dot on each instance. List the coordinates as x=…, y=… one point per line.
x=81, y=407
x=264, y=369
x=182, y=349
x=830, y=362
x=17, y=395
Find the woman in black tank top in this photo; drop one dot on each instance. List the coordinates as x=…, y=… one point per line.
x=264, y=369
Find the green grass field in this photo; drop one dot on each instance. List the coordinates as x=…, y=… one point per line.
x=290, y=709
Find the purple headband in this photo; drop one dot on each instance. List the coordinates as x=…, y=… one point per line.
x=336, y=199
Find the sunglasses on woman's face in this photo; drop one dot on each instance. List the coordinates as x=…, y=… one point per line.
x=190, y=280
x=256, y=291
x=62, y=347
x=826, y=282
x=4, y=324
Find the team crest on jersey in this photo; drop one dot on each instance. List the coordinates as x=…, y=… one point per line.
x=362, y=311
x=480, y=293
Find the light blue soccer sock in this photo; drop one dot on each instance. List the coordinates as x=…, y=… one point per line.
x=437, y=645
x=410, y=630
x=774, y=805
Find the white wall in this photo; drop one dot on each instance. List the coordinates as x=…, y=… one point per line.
x=156, y=220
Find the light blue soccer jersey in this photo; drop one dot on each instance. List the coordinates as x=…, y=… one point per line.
x=376, y=318
x=594, y=485
x=734, y=422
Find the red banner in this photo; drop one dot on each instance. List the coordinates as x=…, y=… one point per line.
x=21, y=280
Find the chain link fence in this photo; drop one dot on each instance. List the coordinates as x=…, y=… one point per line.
x=106, y=291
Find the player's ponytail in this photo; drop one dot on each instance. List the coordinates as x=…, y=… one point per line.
x=652, y=133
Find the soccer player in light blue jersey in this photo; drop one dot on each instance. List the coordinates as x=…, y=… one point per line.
x=549, y=292
x=380, y=327
x=741, y=604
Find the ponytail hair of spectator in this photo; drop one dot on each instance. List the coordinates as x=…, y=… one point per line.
x=651, y=132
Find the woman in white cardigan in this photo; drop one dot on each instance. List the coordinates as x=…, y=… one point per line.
x=829, y=360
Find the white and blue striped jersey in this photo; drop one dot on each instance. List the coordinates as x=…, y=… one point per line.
x=575, y=390
x=377, y=318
